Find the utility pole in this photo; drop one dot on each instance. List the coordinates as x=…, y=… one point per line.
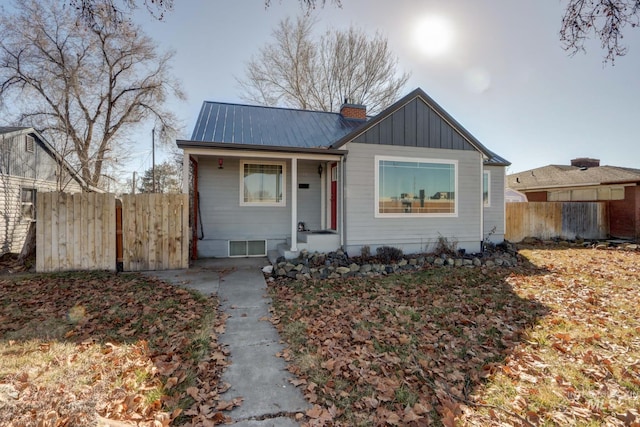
x=153, y=159
x=133, y=183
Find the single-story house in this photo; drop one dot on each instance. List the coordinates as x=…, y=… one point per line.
x=28, y=165
x=265, y=179
x=584, y=180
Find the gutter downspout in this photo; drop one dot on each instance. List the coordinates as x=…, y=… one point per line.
x=343, y=207
x=482, y=201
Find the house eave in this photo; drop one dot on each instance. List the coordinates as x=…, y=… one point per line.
x=261, y=148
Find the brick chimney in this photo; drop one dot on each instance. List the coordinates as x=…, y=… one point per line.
x=585, y=162
x=350, y=110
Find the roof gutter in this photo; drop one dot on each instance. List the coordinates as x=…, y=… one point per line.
x=253, y=147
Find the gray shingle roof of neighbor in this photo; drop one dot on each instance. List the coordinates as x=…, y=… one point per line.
x=270, y=126
x=10, y=129
x=568, y=176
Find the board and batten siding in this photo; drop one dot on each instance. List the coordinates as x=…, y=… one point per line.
x=223, y=218
x=415, y=124
x=493, y=215
x=411, y=234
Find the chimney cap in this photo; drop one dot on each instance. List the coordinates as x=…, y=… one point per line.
x=585, y=162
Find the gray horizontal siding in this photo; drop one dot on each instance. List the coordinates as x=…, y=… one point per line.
x=494, y=214
x=223, y=218
x=415, y=125
x=411, y=233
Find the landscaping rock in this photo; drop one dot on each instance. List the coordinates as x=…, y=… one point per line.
x=343, y=270
x=337, y=264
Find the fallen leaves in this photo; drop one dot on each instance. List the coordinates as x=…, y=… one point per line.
x=556, y=341
x=106, y=349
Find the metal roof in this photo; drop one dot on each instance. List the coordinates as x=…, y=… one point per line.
x=270, y=126
x=226, y=123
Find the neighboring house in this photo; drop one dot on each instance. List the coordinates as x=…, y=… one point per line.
x=404, y=178
x=28, y=165
x=586, y=181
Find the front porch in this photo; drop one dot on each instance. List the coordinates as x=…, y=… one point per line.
x=271, y=202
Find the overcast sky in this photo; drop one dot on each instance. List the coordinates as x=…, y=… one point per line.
x=503, y=75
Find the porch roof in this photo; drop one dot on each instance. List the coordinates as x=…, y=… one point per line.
x=235, y=124
x=264, y=148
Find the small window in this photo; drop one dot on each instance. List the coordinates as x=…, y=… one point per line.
x=262, y=184
x=28, y=204
x=486, y=188
x=247, y=248
x=29, y=144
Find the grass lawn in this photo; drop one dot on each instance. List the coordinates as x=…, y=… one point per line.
x=555, y=341
x=80, y=349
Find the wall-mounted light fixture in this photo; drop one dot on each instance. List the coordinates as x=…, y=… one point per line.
x=220, y=163
x=320, y=169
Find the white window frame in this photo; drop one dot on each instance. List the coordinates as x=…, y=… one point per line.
x=376, y=209
x=281, y=203
x=29, y=204
x=486, y=204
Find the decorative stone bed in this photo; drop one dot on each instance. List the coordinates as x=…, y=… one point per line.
x=335, y=265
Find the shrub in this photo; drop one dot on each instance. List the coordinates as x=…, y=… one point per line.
x=388, y=254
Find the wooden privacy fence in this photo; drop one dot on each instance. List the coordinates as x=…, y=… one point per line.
x=547, y=220
x=75, y=231
x=80, y=232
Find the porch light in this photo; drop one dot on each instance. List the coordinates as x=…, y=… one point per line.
x=320, y=169
x=220, y=163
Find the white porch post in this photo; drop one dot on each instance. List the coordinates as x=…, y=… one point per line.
x=294, y=205
x=323, y=196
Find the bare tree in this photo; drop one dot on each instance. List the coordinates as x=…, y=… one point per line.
x=89, y=85
x=167, y=179
x=606, y=20
x=298, y=71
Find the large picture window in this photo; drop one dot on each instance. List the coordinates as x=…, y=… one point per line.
x=415, y=187
x=262, y=184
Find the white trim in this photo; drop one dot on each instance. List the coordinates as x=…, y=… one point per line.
x=281, y=203
x=323, y=196
x=376, y=198
x=261, y=154
x=488, y=204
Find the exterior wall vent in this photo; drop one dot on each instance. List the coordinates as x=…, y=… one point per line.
x=29, y=144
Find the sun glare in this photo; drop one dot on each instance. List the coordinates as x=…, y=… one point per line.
x=434, y=35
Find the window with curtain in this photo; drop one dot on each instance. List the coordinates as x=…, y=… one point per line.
x=486, y=188
x=262, y=184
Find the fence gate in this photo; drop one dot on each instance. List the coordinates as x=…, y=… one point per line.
x=155, y=232
x=78, y=232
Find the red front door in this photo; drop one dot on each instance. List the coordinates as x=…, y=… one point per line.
x=334, y=196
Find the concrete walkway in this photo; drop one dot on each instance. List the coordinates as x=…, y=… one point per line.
x=255, y=373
